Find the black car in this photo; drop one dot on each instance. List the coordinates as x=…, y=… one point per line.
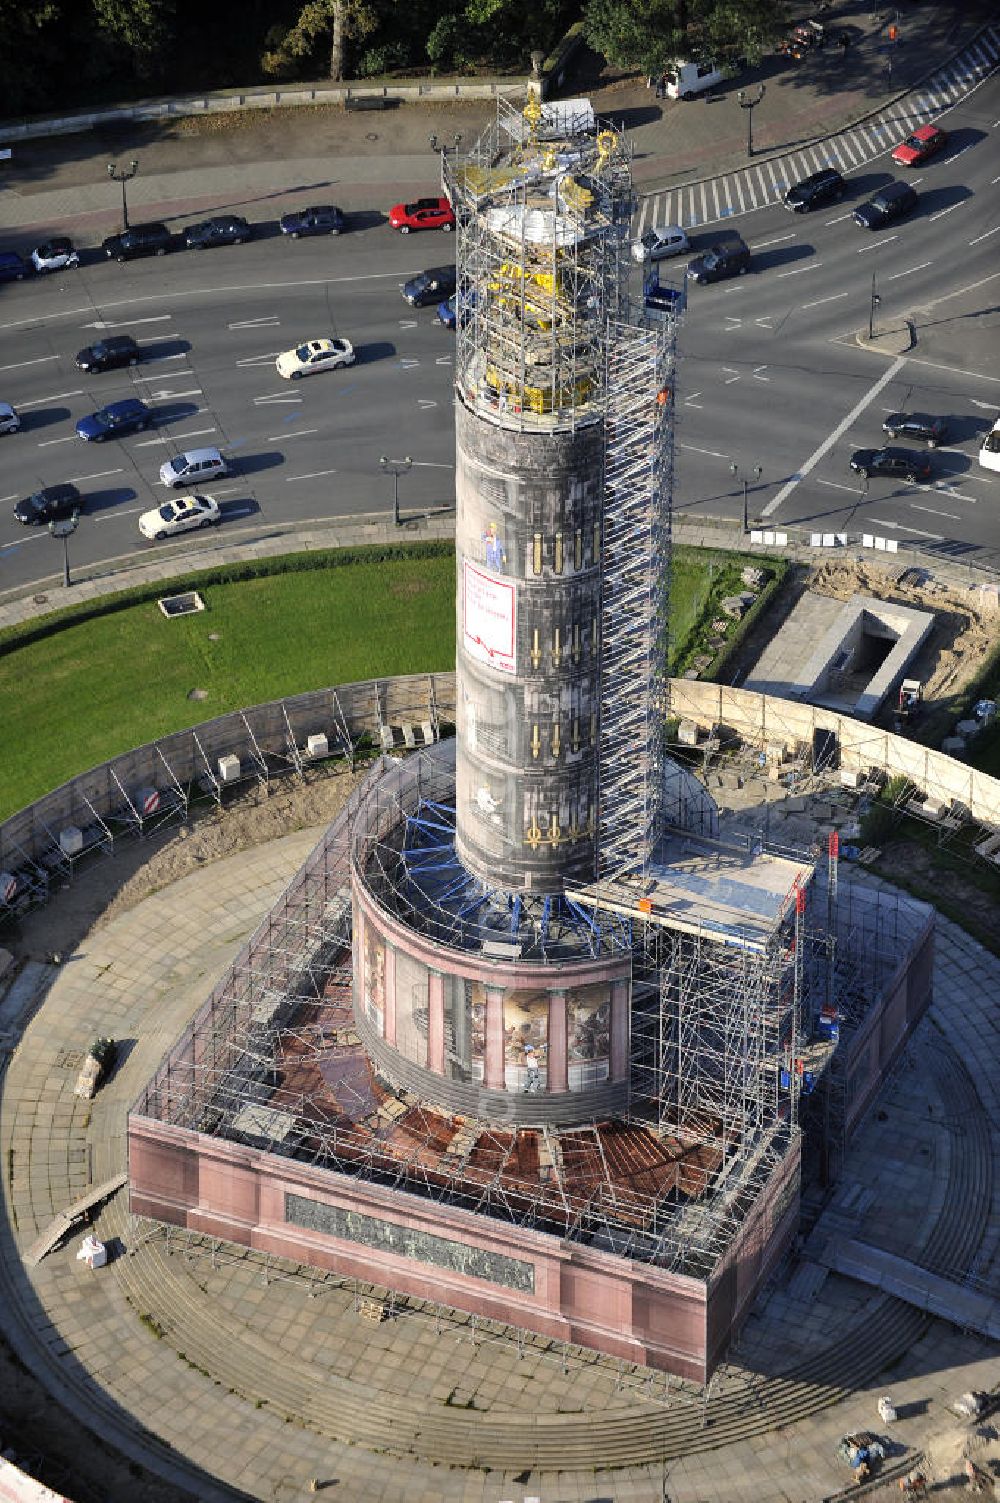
x=933, y=430
x=431, y=286
x=889, y=203
x=109, y=354
x=321, y=219
x=138, y=240
x=812, y=192
x=902, y=462
x=225, y=229
x=49, y=505
x=730, y=259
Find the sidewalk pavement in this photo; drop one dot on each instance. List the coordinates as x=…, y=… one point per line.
x=202, y=1368
x=188, y=167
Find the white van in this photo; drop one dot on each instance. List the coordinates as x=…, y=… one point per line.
x=685, y=80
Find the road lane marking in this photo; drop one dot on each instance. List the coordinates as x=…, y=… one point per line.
x=267, y=320
x=193, y=391
x=103, y=324
x=316, y=475
x=831, y=299
x=732, y=375
x=258, y=359
x=98, y=475
x=798, y=270
x=19, y=365
x=298, y=433
x=47, y=443
x=173, y=438
x=875, y=244
x=835, y=485
x=831, y=438
x=897, y=274
x=778, y=240
x=695, y=450
x=951, y=515
x=918, y=532
x=839, y=219
x=40, y=401
x=986, y=236
x=941, y=212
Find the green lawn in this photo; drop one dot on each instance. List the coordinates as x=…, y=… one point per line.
x=97, y=679
x=98, y=687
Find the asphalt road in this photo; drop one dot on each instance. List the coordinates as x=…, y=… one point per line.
x=770, y=372
x=210, y=325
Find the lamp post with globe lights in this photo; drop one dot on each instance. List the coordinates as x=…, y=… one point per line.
x=123, y=176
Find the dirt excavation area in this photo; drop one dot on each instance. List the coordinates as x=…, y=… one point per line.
x=966, y=618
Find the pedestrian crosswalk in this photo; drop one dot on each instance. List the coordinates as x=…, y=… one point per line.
x=752, y=187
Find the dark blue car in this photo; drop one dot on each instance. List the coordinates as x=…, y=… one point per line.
x=320, y=219
x=12, y=267
x=115, y=420
x=456, y=309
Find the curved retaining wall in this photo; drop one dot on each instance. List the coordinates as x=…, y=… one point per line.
x=762, y=718
x=268, y=739
x=421, y=699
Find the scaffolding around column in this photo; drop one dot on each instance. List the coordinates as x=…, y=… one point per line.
x=543, y=243
x=635, y=567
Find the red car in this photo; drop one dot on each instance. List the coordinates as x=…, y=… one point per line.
x=921, y=145
x=425, y=214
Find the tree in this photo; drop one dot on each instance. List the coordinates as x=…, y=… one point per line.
x=342, y=20
x=141, y=29
x=732, y=30
x=31, y=46
x=646, y=35
x=649, y=35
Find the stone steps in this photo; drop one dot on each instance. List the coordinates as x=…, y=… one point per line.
x=632, y=1434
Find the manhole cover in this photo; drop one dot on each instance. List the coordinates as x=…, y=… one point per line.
x=40, y=599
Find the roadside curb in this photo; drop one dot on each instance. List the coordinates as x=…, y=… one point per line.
x=896, y=341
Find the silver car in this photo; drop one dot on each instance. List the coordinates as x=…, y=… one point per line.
x=660, y=242
x=55, y=255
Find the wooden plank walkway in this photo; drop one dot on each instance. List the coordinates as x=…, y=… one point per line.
x=64, y=1222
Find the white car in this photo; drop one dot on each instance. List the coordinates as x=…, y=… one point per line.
x=9, y=420
x=989, y=454
x=54, y=255
x=661, y=242
x=182, y=515
x=314, y=356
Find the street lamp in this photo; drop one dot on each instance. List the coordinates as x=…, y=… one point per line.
x=876, y=299
x=758, y=471
x=64, y=528
x=123, y=177
x=395, y=468
x=748, y=101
